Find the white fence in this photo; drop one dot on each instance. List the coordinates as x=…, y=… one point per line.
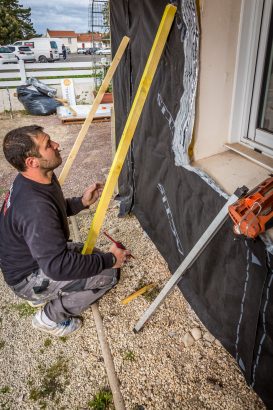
x=13, y=75
x=82, y=73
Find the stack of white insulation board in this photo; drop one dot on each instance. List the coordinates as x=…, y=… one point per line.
x=78, y=113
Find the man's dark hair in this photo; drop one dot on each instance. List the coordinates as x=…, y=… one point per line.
x=19, y=144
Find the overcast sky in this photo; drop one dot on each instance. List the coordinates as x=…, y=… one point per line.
x=58, y=14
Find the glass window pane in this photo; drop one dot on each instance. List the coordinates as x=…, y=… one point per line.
x=265, y=118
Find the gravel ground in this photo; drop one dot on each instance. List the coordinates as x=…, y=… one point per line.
x=173, y=363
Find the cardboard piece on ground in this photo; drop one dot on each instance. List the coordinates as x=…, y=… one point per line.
x=68, y=91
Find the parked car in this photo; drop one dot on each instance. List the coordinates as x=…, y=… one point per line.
x=81, y=50
x=103, y=51
x=6, y=56
x=45, y=49
x=23, y=53
x=91, y=50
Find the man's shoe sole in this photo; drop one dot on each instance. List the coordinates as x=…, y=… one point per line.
x=34, y=305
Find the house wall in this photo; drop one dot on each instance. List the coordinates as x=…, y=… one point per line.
x=70, y=42
x=89, y=44
x=219, y=37
x=72, y=45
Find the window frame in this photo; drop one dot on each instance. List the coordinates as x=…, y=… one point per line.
x=252, y=42
x=260, y=136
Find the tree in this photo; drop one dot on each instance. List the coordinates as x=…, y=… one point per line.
x=15, y=22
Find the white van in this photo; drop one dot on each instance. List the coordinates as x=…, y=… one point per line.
x=45, y=49
x=59, y=44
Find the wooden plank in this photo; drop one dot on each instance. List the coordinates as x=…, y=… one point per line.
x=130, y=126
x=138, y=293
x=93, y=110
x=74, y=120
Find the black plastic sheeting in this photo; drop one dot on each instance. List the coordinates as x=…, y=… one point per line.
x=230, y=285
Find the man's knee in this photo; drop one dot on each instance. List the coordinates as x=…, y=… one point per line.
x=108, y=278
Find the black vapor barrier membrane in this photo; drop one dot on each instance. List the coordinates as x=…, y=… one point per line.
x=230, y=284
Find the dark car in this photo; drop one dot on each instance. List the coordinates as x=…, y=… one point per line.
x=91, y=50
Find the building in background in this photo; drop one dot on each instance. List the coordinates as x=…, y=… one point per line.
x=87, y=40
x=68, y=38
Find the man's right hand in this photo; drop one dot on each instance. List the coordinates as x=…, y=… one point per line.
x=121, y=255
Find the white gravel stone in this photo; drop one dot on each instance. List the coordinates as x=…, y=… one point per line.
x=209, y=337
x=164, y=375
x=113, y=230
x=196, y=333
x=188, y=340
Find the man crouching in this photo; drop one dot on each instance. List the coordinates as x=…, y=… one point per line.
x=37, y=261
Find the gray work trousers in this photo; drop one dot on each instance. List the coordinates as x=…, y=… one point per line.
x=65, y=298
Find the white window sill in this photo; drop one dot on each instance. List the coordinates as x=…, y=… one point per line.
x=259, y=158
x=231, y=169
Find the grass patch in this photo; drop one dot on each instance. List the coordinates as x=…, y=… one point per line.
x=63, y=338
x=24, y=309
x=2, y=190
x=102, y=400
x=4, y=390
x=47, y=342
x=152, y=294
x=53, y=380
x=5, y=406
x=129, y=355
x=2, y=344
x=23, y=112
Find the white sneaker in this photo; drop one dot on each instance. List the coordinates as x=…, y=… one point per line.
x=57, y=329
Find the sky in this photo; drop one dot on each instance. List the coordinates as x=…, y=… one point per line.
x=58, y=14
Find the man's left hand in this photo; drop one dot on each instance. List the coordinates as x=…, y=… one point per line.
x=92, y=193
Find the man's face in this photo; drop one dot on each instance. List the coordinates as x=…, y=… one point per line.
x=49, y=151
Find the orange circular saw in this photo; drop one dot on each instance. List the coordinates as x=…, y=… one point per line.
x=252, y=214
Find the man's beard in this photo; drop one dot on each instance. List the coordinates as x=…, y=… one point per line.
x=52, y=164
